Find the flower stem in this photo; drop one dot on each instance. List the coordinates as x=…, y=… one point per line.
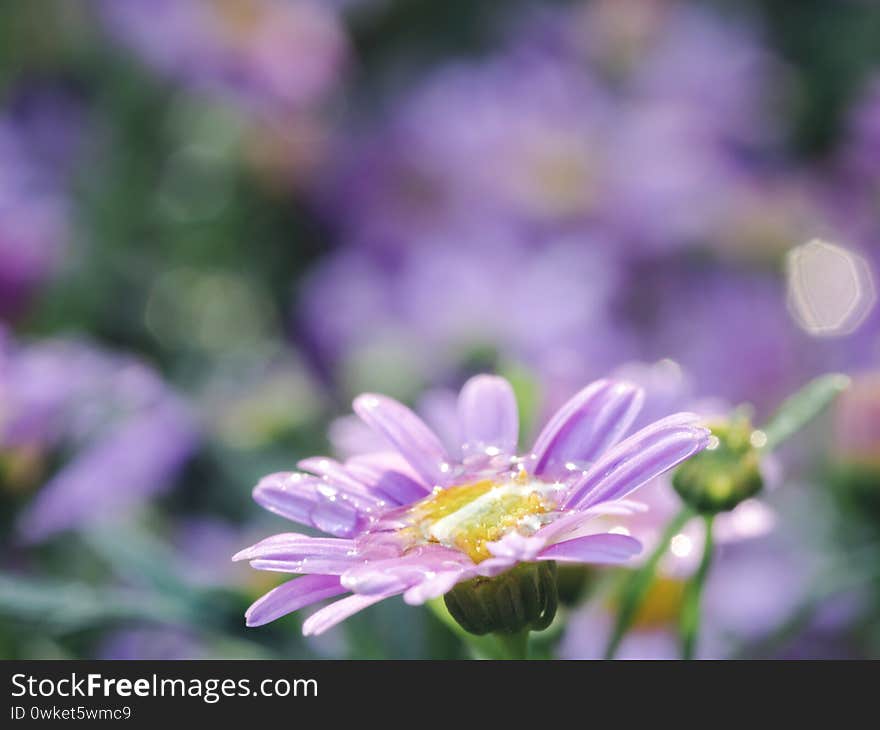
x=636, y=587
x=513, y=646
x=690, y=610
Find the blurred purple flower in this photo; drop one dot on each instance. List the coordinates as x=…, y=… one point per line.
x=717, y=64
x=271, y=54
x=38, y=133
x=861, y=145
x=420, y=311
x=676, y=53
x=415, y=520
x=755, y=587
x=121, y=432
x=538, y=136
x=731, y=332
x=203, y=544
x=695, y=89
x=519, y=136
x=156, y=642
x=669, y=181
x=758, y=586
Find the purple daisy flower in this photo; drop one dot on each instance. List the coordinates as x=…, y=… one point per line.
x=413, y=520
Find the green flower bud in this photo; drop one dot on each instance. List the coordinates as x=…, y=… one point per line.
x=523, y=598
x=726, y=473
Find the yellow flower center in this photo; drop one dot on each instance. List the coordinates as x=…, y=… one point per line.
x=469, y=516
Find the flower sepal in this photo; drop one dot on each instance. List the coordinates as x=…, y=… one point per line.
x=523, y=598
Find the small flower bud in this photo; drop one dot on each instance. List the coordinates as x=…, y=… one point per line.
x=726, y=473
x=523, y=598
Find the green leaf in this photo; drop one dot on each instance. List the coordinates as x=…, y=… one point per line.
x=62, y=606
x=802, y=407
x=136, y=555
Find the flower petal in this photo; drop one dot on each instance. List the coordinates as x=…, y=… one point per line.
x=306, y=565
x=605, y=548
x=392, y=484
x=407, y=433
x=287, y=494
x=516, y=546
x=491, y=567
x=587, y=425
x=291, y=545
x=350, y=436
x=335, y=518
x=488, y=415
x=400, y=573
x=433, y=587
x=339, y=483
x=336, y=612
x=640, y=458
x=391, y=461
x=576, y=521
x=310, y=501
x=333, y=471
x=439, y=409
x=292, y=596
